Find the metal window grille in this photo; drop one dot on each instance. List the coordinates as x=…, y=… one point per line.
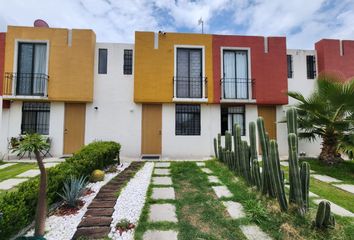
x=35, y=118
x=128, y=62
x=187, y=119
x=290, y=66
x=231, y=113
x=311, y=67
x=102, y=61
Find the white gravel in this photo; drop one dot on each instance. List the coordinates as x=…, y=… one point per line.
x=131, y=202
x=64, y=227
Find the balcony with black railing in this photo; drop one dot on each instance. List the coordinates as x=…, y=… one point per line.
x=237, y=89
x=190, y=87
x=26, y=85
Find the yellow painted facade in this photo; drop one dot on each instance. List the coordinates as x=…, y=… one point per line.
x=154, y=68
x=70, y=68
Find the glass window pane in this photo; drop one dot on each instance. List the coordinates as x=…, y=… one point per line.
x=102, y=61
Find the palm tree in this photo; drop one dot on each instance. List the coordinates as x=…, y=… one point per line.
x=328, y=113
x=35, y=143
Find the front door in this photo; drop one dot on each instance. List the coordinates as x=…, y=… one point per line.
x=74, y=127
x=270, y=121
x=151, y=129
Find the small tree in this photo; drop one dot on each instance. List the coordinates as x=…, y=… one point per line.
x=35, y=143
x=328, y=113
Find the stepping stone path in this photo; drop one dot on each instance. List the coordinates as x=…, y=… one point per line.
x=163, y=193
x=201, y=164
x=235, y=209
x=206, y=170
x=162, y=180
x=213, y=179
x=336, y=209
x=10, y=183
x=29, y=174
x=97, y=220
x=162, y=171
x=345, y=187
x=165, y=212
x=284, y=163
x=325, y=178
x=253, y=232
x=6, y=165
x=160, y=235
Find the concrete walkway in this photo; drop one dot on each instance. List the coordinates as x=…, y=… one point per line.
x=163, y=211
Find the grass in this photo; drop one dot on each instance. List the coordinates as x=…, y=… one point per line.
x=14, y=170
x=265, y=212
x=343, y=171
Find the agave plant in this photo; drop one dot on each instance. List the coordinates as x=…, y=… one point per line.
x=73, y=189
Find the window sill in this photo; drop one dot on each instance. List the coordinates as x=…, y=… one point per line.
x=194, y=100
x=20, y=97
x=238, y=101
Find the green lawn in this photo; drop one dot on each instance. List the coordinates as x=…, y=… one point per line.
x=202, y=216
x=16, y=169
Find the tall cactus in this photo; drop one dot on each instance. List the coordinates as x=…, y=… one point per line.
x=256, y=174
x=216, y=148
x=305, y=183
x=276, y=175
x=291, y=119
x=253, y=141
x=228, y=142
x=246, y=162
x=237, y=144
x=324, y=218
x=266, y=181
x=295, y=182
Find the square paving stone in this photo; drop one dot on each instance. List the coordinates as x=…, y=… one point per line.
x=222, y=191
x=253, y=232
x=235, y=209
x=6, y=165
x=206, y=170
x=163, y=193
x=160, y=235
x=51, y=164
x=336, y=209
x=29, y=173
x=162, y=180
x=162, y=171
x=10, y=183
x=213, y=179
x=201, y=164
x=325, y=178
x=162, y=212
x=285, y=164
x=162, y=164
x=346, y=187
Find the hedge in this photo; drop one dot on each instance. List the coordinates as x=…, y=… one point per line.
x=18, y=206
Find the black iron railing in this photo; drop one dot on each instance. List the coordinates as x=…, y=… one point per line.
x=26, y=84
x=237, y=88
x=189, y=87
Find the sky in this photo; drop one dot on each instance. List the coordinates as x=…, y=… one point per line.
x=303, y=22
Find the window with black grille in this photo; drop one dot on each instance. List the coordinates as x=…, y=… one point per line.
x=187, y=119
x=102, y=61
x=35, y=118
x=231, y=115
x=128, y=62
x=311, y=67
x=290, y=66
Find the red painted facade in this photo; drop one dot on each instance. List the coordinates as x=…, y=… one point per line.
x=268, y=70
x=329, y=59
x=2, y=59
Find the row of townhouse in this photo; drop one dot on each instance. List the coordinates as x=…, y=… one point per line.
x=168, y=95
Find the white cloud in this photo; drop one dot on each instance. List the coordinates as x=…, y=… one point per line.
x=302, y=21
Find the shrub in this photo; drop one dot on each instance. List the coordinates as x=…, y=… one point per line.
x=18, y=206
x=97, y=176
x=72, y=190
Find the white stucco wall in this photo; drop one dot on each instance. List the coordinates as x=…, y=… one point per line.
x=11, y=126
x=117, y=117
x=300, y=83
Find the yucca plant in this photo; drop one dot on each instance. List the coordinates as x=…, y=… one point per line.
x=72, y=190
